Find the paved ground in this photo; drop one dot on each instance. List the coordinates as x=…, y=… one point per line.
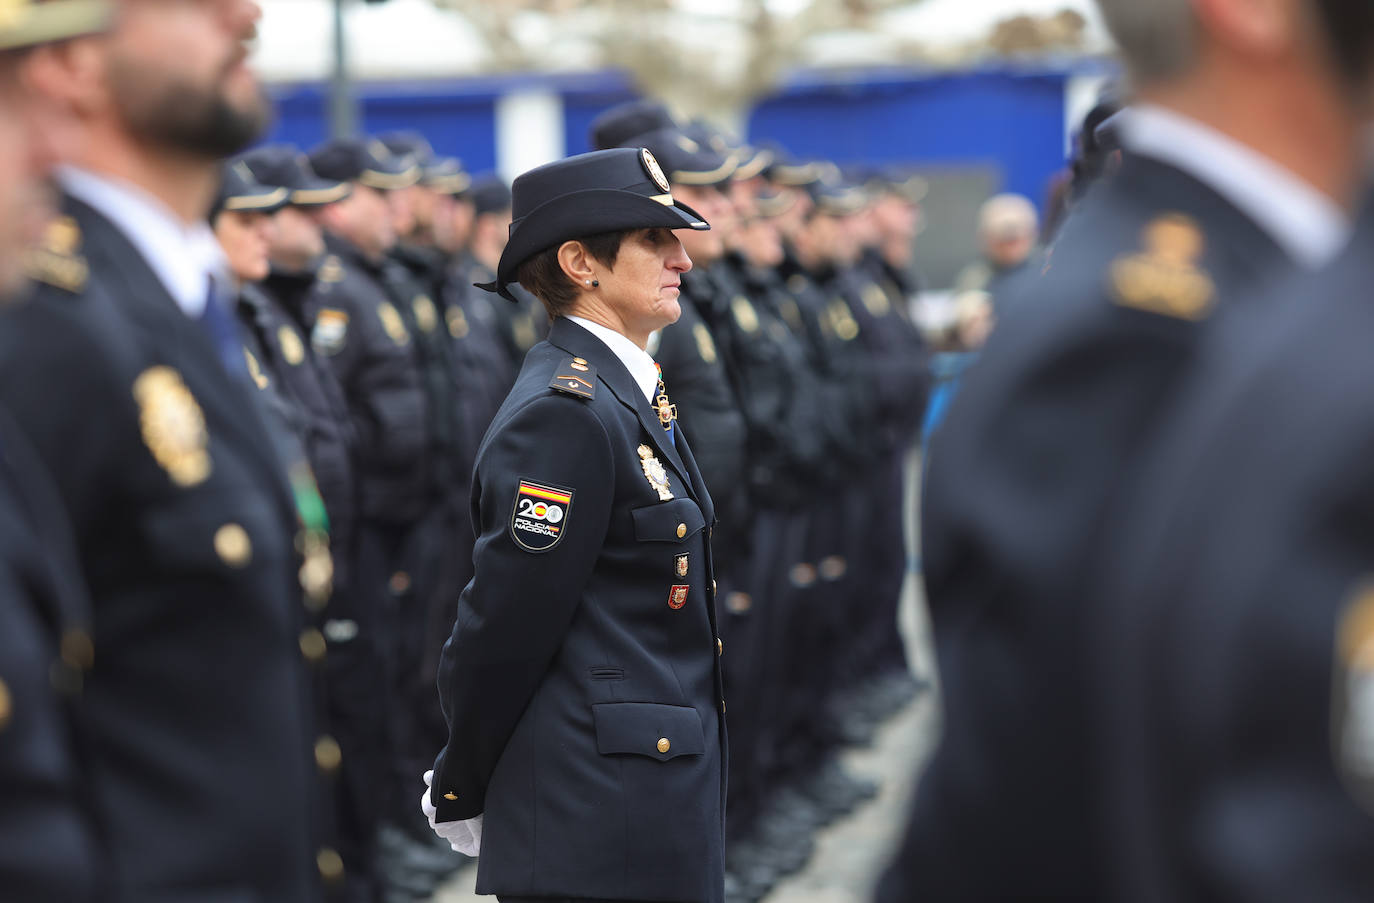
x=850, y=854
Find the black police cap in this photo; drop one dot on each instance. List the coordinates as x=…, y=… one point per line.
x=620, y=125
x=490, y=194
x=686, y=160
x=367, y=162
x=603, y=191
x=408, y=143
x=238, y=190
x=29, y=23
x=283, y=166
x=446, y=175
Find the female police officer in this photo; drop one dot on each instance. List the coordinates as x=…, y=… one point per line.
x=586, y=727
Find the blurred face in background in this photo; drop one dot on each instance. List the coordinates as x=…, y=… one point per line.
x=793, y=217
x=490, y=232
x=246, y=237
x=177, y=76
x=706, y=247
x=897, y=221
x=424, y=203
x=453, y=223
x=364, y=219
x=760, y=242
x=26, y=155
x=401, y=204
x=297, y=238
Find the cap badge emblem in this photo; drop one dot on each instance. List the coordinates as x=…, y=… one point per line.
x=652, y=168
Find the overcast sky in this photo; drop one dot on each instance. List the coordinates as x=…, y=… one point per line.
x=411, y=38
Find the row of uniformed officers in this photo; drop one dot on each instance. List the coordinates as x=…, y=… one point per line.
x=253, y=432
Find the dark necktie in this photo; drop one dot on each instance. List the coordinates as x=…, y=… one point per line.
x=223, y=330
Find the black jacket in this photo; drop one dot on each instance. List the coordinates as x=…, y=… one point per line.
x=195, y=708
x=1021, y=481
x=581, y=683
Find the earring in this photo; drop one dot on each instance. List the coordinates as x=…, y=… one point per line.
x=596, y=283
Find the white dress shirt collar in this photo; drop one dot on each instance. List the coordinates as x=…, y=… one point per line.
x=1310, y=227
x=184, y=257
x=635, y=359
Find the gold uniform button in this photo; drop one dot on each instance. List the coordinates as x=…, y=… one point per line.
x=713, y=588
x=330, y=864
x=720, y=647
x=6, y=705
x=328, y=756
x=233, y=546
x=664, y=745
x=400, y=582
x=312, y=645
x=681, y=530
x=450, y=796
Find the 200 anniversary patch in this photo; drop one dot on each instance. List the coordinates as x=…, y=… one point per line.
x=539, y=516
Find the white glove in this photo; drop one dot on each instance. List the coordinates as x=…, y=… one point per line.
x=463, y=836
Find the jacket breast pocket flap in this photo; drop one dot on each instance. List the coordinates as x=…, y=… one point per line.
x=650, y=729
x=673, y=521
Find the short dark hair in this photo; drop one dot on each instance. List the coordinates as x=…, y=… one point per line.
x=544, y=277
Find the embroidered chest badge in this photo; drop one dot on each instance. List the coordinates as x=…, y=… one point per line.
x=539, y=516
x=173, y=425
x=655, y=473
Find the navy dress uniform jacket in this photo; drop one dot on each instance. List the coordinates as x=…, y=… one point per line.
x=1022, y=476
x=52, y=848
x=1231, y=656
x=581, y=682
x=195, y=709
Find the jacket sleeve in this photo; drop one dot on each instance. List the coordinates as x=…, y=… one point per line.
x=516, y=611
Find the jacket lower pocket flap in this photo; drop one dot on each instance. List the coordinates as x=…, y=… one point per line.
x=671, y=521
x=650, y=729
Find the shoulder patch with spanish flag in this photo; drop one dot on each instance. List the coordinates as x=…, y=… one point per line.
x=540, y=515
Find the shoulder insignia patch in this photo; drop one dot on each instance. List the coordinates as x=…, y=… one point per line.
x=575, y=377
x=1165, y=278
x=426, y=314
x=745, y=315
x=330, y=331
x=1353, y=698
x=173, y=425
x=522, y=330
x=392, y=323
x=457, y=322
x=876, y=300
x=292, y=348
x=331, y=270
x=57, y=261
x=706, y=346
x=540, y=515
x=255, y=370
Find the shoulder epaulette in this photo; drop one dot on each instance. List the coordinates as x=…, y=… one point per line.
x=575, y=377
x=1165, y=277
x=57, y=261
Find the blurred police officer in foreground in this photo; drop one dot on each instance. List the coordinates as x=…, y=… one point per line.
x=125, y=371
x=589, y=503
x=1211, y=202
x=1233, y=656
x=52, y=844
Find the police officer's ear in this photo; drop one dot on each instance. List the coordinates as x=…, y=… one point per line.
x=70, y=77
x=577, y=264
x=1256, y=28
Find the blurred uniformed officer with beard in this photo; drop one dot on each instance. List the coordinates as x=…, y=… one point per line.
x=125, y=371
x=51, y=841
